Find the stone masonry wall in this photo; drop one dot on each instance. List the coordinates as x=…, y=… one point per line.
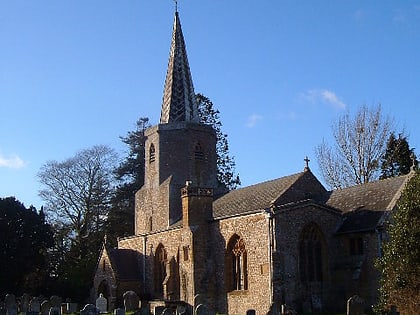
x=254, y=231
x=289, y=224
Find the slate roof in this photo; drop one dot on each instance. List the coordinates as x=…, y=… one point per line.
x=125, y=263
x=376, y=196
x=365, y=205
x=253, y=198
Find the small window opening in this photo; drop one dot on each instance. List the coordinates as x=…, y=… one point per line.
x=198, y=152
x=152, y=153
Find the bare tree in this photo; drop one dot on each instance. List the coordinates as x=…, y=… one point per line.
x=360, y=143
x=77, y=191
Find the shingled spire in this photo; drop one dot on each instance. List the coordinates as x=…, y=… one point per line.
x=179, y=103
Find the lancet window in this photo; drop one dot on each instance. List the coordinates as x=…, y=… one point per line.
x=160, y=262
x=311, y=254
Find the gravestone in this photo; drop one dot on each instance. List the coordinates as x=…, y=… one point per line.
x=10, y=304
x=181, y=310
x=167, y=311
x=24, y=303
x=34, y=305
x=202, y=309
x=158, y=310
x=119, y=311
x=102, y=304
x=131, y=301
x=89, y=309
x=45, y=307
x=355, y=305
x=71, y=307
x=55, y=305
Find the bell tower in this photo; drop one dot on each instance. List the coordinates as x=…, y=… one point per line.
x=179, y=149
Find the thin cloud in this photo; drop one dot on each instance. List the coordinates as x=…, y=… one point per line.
x=324, y=96
x=13, y=161
x=253, y=120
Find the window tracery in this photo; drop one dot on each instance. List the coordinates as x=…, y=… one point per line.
x=236, y=265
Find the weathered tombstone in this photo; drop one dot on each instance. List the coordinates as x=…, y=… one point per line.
x=131, y=301
x=24, y=303
x=355, y=305
x=202, y=309
x=55, y=305
x=10, y=304
x=45, y=307
x=119, y=311
x=181, y=310
x=158, y=310
x=34, y=305
x=199, y=299
x=102, y=304
x=89, y=309
x=71, y=307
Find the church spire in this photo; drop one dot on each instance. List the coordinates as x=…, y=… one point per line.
x=179, y=103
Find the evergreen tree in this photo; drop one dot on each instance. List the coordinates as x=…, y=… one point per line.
x=130, y=176
x=227, y=177
x=400, y=263
x=398, y=158
x=25, y=239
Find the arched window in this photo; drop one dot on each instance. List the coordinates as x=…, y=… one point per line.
x=311, y=254
x=198, y=152
x=236, y=265
x=160, y=269
x=152, y=153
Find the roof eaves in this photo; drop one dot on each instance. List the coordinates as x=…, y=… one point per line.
x=228, y=216
x=397, y=195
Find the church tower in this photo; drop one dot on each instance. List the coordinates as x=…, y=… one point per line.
x=180, y=150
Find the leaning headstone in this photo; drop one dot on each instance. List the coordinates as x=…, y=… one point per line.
x=45, y=307
x=89, y=309
x=355, y=305
x=119, y=311
x=34, y=305
x=10, y=304
x=102, y=304
x=24, y=303
x=131, y=301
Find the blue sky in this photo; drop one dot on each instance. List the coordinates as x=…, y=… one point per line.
x=74, y=74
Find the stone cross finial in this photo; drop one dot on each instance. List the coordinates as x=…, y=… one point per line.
x=307, y=160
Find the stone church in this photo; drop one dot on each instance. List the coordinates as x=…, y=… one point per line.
x=287, y=241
